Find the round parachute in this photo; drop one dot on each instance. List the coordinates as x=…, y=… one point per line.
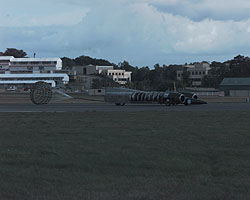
x=41, y=93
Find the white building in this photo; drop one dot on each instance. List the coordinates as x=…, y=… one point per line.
x=5, y=63
x=196, y=72
x=22, y=71
x=119, y=75
x=22, y=79
x=90, y=69
x=101, y=69
x=82, y=73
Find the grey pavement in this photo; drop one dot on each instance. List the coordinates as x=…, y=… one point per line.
x=80, y=107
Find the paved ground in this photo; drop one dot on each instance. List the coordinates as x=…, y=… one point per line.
x=63, y=107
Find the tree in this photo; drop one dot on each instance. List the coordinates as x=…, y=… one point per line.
x=97, y=84
x=103, y=81
x=185, y=79
x=14, y=52
x=68, y=63
x=126, y=66
x=86, y=60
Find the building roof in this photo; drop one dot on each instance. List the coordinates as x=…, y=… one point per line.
x=28, y=59
x=34, y=59
x=235, y=81
x=104, y=67
x=193, y=89
x=6, y=57
x=53, y=83
x=118, y=70
x=50, y=75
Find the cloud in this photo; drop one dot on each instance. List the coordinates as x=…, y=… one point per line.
x=29, y=13
x=133, y=30
x=199, y=10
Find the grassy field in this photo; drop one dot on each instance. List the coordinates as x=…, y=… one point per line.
x=122, y=155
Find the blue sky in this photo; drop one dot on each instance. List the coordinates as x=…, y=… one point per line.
x=143, y=32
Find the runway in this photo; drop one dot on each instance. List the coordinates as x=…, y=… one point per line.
x=102, y=107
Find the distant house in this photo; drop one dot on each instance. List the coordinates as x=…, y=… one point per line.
x=23, y=72
x=196, y=72
x=118, y=75
x=86, y=74
x=236, y=86
x=90, y=69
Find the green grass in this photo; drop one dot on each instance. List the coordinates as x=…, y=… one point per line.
x=122, y=155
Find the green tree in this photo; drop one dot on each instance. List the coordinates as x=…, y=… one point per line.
x=14, y=52
x=185, y=79
x=97, y=84
x=126, y=66
x=68, y=63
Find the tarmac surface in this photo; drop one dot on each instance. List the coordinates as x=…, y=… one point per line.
x=83, y=107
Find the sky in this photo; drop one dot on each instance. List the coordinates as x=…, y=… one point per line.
x=142, y=32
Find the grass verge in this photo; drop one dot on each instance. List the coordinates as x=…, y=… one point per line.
x=122, y=155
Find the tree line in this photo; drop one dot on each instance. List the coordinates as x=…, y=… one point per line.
x=159, y=77
x=14, y=52
x=164, y=77
x=239, y=66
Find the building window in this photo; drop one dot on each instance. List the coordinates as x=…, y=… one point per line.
x=123, y=79
x=84, y=71
x=110, y=74
x=46, y=62
x=200, y=73
x=99, y=91
x=204, y=73
x=196, y=73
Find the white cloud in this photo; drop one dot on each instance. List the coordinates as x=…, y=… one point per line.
x=39, y=13
x=133, y=30
x=205, y=9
